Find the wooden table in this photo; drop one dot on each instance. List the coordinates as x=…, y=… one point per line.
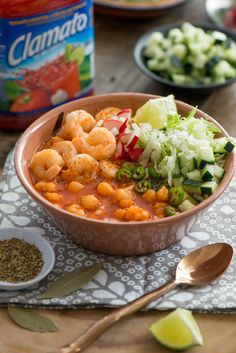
x=116, y=71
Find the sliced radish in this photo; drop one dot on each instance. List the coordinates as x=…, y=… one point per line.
x=125, y=137
x=120, y=150
x=133, y=140
x=123, y=126
x=134, y=153
x=113, y=125
x=127, y=113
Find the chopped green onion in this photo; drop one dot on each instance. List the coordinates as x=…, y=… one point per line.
x=123, y=175
x=142, y=186
x=139, y=173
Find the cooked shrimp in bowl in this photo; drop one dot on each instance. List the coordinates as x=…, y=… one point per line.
x=124, y=166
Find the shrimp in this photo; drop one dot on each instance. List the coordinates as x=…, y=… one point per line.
x=100, y=143
x=77, y=123
x=106, y=113
x=46, y=164
x=108, y=169
x=82, y=168
x=66, y=149
x=52, y=140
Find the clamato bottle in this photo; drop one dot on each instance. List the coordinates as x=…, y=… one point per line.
x=46, y=57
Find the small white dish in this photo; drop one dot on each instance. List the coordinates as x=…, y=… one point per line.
x=41, y=243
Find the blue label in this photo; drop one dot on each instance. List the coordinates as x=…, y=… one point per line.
x=46, y=59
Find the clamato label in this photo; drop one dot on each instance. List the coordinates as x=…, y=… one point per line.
x=46, y=59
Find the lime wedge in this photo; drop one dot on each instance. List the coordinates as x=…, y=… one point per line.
x=156, y=111
x=178, y=330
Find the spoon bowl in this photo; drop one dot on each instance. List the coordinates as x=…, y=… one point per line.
x=198, y=268
x=204, y=265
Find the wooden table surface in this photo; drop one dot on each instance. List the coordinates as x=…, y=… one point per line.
x=116, y=71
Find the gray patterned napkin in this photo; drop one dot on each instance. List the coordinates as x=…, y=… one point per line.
x=122, y=279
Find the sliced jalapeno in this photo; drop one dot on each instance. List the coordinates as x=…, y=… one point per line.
x=123, y=175
x=153, y=173
x=138, y=173
x=128, y=165
x=142, y=186
x=170, y=211
x=176, y=195
x=157, y=184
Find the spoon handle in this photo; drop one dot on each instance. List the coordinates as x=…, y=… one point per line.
x=102, y=325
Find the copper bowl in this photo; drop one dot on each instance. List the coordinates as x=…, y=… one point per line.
x=115, y=238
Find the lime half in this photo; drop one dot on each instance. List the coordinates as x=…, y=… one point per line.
x=178, y=330
x=156, y=111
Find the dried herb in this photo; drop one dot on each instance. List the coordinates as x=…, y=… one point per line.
x=19, y=260
x=31, y=320
x=71, y=282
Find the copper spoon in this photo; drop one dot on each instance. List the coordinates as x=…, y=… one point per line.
x=198, y=268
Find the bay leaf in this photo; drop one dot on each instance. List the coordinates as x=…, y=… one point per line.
x=71, y=282
x=31, y=320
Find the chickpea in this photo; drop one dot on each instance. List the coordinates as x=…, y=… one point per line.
x=75, y=209
x=46, y=186
x=126, y=203
x=142, y=215
x=135, y=213
x=162, y=194
x=100, y=213
x=160, y=212
x=74, y=186
x=122, y=194
x=105, y=189
x=90, y=202
x=53, y=197
x=119, y=213
x=159, y=205
x=149, y=195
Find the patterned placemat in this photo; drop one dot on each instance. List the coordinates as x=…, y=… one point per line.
x=122, y=279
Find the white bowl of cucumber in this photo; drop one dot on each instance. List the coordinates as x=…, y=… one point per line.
x=200, y=57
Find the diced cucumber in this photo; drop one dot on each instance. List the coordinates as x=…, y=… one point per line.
x=197, y=197
x=176, y=168
x=223, y=145
x=186, y=205
x=193, y=200
x=209, y=187
x=218, y=172
x=208, y=172
x=192, y=186
x=194, y=175
x=186, y=165
x=177, y=180
x=206, y=156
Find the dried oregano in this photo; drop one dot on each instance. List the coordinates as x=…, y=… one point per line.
x=19, y=260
